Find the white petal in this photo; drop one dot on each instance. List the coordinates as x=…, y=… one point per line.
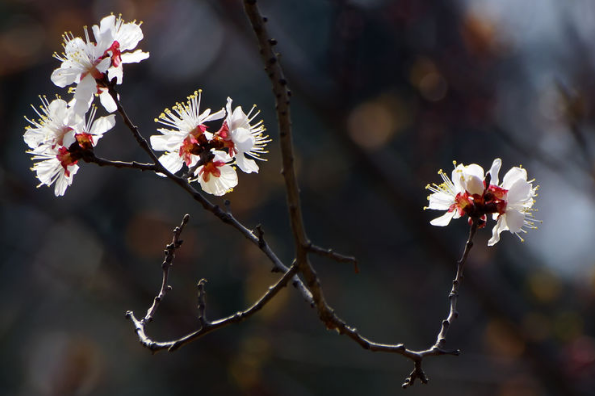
x=117, y=73
x=47, y=170
x=239, y=119
x=167, y=142
x=458, y=179
x=63, y=77
x=104, y=65
x=134, y=57
x=106, y=24
x=512, y=176
x=220, y=185
x=519, y=193
x=494, y=170
x=68, y=138
x=129, y=35
x=243, y=140
x=172, y=161
x=498, y=228
x=245, y=164
x=215, y=116
x=443, y=220
x=103, y=124
x=474, y=170
x=83, y=97
x=441, y=201
x=64, y=181
x=514, y=220
x=474, y=184
x=107, y=101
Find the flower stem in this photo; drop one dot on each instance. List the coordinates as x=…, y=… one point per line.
x=456, y=283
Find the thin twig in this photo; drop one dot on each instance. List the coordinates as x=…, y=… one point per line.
x=170, y=254
x=334, y=256
x=454, y=293
x=202, y=303
x=134, y=129
x=121, y=164
x=438, y=347
x=208, y=326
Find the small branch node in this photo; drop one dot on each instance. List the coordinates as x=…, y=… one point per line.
x=202, y=304
x=260, y=234
x=330, y=253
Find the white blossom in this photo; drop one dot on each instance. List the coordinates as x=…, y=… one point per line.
x=453, y=195
x=470, y=193
x=518, y=196
x=56, y=159
x=56, y=120
x=55, y=165
x=217, y=176
x=90, y=64
x=188, y=131
x=244, y=141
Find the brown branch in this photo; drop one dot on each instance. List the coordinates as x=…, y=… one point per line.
x=206, y=326
x=303, y=245
x=120, y=164
x=224, y=216
x=170, y=254
x=454, y=293
x=282, y=95
x=133, y=128
x=334, y=256
x=202, y=304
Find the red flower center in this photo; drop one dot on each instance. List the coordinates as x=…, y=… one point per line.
x=211, y=168
x=116, y=55
x=66, y=159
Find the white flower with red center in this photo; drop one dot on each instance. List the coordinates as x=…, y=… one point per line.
x=217, y=176
x=90, y=65
x=57, y=163
x=117, y=37
x=83, y=63
x=456, y=195
x=517, y=196
x=185, y=143
x=510, y=203
x=243, y=141
x=56, y=119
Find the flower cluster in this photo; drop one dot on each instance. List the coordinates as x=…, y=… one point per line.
x=469, y=192
x=67, y=132
x=210, y=157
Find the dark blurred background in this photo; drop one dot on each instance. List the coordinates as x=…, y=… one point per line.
x=385, y=93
